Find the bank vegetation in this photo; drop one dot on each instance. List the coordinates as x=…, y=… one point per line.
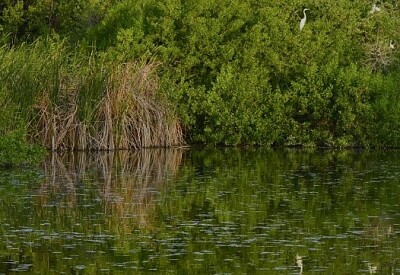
x=130, y=74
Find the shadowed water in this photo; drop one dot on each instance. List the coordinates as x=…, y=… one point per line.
x=203, y=212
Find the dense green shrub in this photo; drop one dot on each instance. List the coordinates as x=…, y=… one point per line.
x=244, y=73
x=16, y=151
x=241, y=72
x=385, y=125
x=22, y=20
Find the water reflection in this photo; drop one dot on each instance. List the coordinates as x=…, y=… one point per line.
x=123, y=183
x=80, y=208
x=299, y=263
x=203, y=212
x=372, y=268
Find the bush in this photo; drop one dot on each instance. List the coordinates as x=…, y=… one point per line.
x=241, y=72
x=22, y=21
x=16, y=151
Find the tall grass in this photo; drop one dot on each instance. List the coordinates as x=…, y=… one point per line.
x=81, y=101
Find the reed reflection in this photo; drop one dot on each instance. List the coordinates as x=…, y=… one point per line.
x=204, y=212
x=117, y=189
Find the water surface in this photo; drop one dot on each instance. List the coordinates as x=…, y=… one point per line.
x=222, y=211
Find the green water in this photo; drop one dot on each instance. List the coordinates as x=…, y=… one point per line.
x=181, y=211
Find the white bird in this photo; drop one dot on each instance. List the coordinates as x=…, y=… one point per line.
x=372, y=268
x=374, y=8
x=391, y=45
x=299, y=263
x=303, y=20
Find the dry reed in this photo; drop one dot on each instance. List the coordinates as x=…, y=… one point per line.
x=128, y=114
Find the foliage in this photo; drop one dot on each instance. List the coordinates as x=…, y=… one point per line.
x=16, y=151
x=22, y=20
x=386, y=124
x=241, y=72
x=80, y=100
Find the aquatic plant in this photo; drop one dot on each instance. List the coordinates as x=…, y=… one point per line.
x=81, y=101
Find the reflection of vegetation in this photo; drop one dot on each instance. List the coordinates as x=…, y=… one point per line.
x=125, y=182
x=232, y=210
x=264, y=207
x=85, y=200
x=15, y=211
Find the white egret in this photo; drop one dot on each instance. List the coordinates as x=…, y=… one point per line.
x=299, y=263
x=374, y=9
x=303, y=20
x=391, y=45
x=372, y=268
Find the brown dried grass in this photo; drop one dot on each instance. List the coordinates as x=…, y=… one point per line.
x=130, y=113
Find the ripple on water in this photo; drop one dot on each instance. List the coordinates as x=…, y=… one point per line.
x=22, y=268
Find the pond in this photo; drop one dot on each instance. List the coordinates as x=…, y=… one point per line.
x=203, y=211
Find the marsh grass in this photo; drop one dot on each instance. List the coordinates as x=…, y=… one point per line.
x=79, y=101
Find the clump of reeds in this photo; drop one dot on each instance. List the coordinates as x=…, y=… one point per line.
x=78, y=101
x=127, y=114
x=131, y=115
